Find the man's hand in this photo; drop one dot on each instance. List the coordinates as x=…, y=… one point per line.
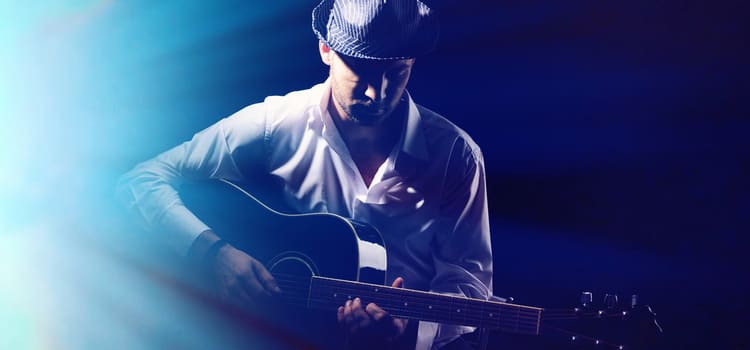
x=239, y=277
x=371, y=323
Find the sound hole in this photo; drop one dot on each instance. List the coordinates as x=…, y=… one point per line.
x=293, y=271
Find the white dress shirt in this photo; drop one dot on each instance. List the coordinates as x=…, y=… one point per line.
x=428, y=199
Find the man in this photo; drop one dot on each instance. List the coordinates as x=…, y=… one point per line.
x=356, y=145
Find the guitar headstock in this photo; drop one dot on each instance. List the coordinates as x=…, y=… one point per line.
x=604, y=323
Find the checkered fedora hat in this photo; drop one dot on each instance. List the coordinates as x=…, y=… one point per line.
x=376, y=29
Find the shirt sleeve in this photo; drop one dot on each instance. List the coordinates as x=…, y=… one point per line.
x=150, y=190
x=463, y=252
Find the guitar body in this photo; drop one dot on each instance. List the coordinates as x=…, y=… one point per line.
x=294, y=248
x=318, y=244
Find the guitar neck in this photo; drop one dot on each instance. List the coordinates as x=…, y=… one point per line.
x=329, y=293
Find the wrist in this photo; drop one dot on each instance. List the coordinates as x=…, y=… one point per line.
x=205, y=244
x=209, y=258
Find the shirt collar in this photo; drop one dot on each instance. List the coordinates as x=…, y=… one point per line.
x=413, y=141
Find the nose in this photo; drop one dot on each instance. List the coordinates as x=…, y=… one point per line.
x=376, y=88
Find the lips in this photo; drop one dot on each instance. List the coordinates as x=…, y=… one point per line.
x=373, y=109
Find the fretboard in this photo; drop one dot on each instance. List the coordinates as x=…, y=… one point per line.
x=329, y=293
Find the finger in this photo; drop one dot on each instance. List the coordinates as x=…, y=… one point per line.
x=358, y=311
x=385, y=322
x=252, y=286
x=398, y=283
x=360, y=316
x=376, y=312
x=401, y=323
x=269, y=283
x=348, y=316
x=340, y=314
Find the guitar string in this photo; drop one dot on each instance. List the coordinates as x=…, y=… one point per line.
x=547, y=315
x=304, y=289
x=509, y=323
x=384, y=293
x=303, y=296
x=421, y=298
x=466, y=303
x=515, y=318
x=443, y=309
x=328, y=303
x=501, y=322
x=451, y=314
x=470, y=305
x=392, y=306
x=511, y=326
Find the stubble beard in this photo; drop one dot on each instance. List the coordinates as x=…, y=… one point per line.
x=359, y=115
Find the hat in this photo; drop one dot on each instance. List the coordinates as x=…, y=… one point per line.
x=376, y=29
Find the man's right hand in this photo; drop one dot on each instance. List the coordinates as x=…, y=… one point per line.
x=239, y=277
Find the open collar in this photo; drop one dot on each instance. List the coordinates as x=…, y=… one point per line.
x=412, y=140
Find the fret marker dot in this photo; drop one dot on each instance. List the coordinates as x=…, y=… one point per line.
x=621, y=347
x=490, y=314
x=376, y=290
x=458, y=310
x=335, y=295
x=573, y=338
x=429, y=307
x=406, y=304
x=597, y=342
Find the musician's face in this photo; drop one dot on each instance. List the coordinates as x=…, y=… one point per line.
x=366, y=91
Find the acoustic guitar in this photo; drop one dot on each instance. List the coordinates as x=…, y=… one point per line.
x=321, y=260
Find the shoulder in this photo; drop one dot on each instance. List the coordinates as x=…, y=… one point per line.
x=439, y=130
x=295, y=103
x=260, y=121
x=274, y=108
x=275, y=112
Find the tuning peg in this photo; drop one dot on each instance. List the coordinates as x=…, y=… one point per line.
x=610, y=301
x=586, y=298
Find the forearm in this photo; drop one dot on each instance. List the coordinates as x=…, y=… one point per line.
x=149, y=193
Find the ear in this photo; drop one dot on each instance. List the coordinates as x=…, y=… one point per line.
x=326, y=54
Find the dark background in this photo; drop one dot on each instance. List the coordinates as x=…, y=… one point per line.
x=614, y=132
